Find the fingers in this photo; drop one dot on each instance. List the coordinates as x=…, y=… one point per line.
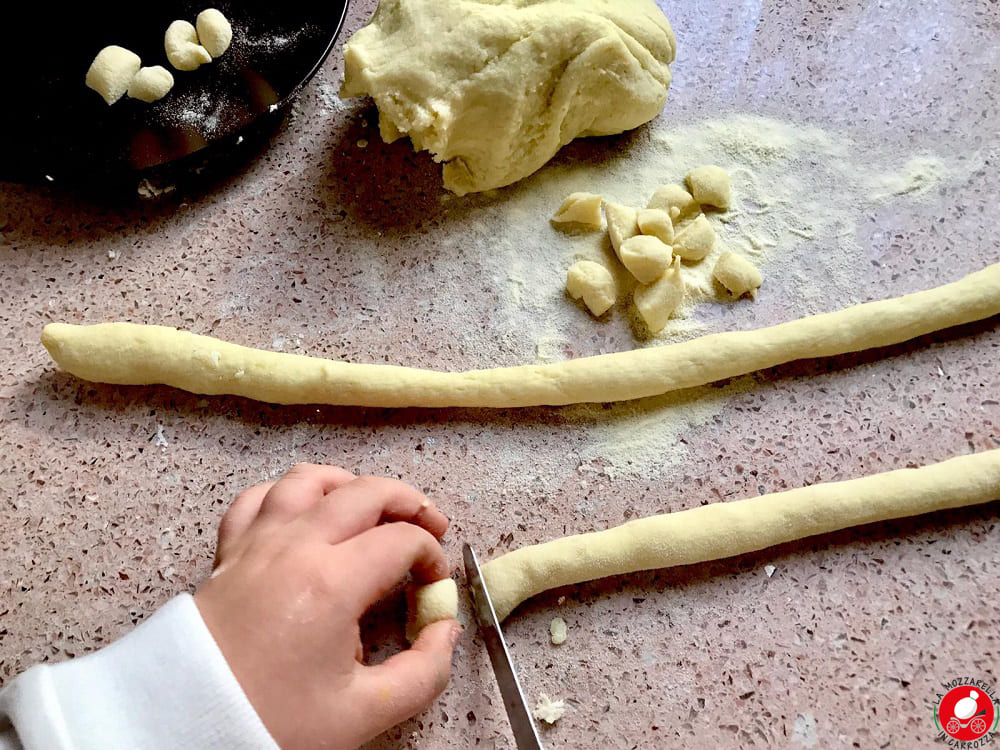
x=301, y=488
x=365, y=502
x=240, y=515
x=377, y=559
x=408, y=682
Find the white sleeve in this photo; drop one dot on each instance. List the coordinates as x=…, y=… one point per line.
x=164, y=685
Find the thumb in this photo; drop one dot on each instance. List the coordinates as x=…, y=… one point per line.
x=408, y=682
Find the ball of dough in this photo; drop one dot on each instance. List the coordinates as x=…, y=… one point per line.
x=182, y=48
x=622, y=224
x=656, y=223
x=710, y=186
x=695, y=239
x=675, y=200
x=151, y=84
x=738, y=275
x=215, y=33
x=594, y=283
x=580, y=208
x=112, y=71
x=494, y=89
x=428, y=604
x=646, y=257
x=656, y=302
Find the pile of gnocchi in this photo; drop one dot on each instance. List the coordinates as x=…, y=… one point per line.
x=117, y=71
x=652, y=242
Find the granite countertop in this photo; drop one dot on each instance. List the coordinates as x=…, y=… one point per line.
x=333, y=243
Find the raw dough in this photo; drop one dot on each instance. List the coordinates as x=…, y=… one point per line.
x=738, y=275
x=580, y=208
x=724, y=529
x=430, y=603
x=695, y=239
x=182, y=47
x=112, y=71
x=151, y=84
x=657, y=223
x=130, y=354
x=622, y=224
x=710, y=186
x=658, y=301
x=494, y=89
x=675, y=200
x=594, y=283
x=548, y=710
x=557, y=631
x=215, y=33
x=645, y=257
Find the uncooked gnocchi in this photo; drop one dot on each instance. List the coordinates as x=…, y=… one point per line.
x=151, y=84
x=622, y=224
x=646, y=257
x=583, y=209
x=657, y=223
x=656, y=302
x=180, y=42
x=710, y=186
x=215, y=33
x=695, y=239
x=738, y=275
x=594, y=283
x=675, y=200
x=112, y=71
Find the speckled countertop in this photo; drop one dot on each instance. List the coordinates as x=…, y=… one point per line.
x=323, y=246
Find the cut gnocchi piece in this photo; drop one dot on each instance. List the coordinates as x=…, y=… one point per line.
x=738, y=275
x=594, y=283
x=622, y=224
x=215, y=33
x=583, y=209
x=710, y=186
x=695, y=240
x=656, y=302
x=657, y=223
x=112, y=71
x=151, y=84
x=675, y=200
x=646, y=257
x=180, y=42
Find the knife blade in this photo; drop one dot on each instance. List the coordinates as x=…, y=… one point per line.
x=521, y=721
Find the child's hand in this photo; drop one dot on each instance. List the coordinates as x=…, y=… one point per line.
x=298, y=563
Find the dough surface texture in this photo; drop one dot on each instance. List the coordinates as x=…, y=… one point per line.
x=494, y=88
x=111, y=72
x=645, y=257
x=724, y=529
x=738, y=275
x=151, y=84
x=215, y=33
x=130, y=354
x=580, y=208
x=656, y=302
x=180, y=42
x=594, y=283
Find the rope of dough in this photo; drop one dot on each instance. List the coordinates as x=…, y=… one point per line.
x=130, y=354
x=711, y=532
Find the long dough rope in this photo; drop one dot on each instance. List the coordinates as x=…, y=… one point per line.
x=725, y=529
x=130, y=354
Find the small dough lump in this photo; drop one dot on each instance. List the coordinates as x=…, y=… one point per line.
x=557, y=631
x=112, y=71
x=738, y=275
x=580, y=208
x=548, y=710
x=657, y=223
x=594, y=283
x=710, y=186
x=494, y=89
x=428, y=604
x=646, y=257
x=622, y=224
x=182, y=47
x=151, y=84
x=675, y=200
x=656, y=302
x=214, y=31
x=695, y=239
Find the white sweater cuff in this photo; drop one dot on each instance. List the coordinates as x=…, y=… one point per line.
x=163, y=685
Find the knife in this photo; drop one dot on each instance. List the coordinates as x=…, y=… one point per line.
x=521, y=722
